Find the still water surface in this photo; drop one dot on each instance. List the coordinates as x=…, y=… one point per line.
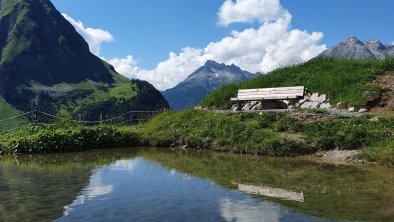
x=163, y=185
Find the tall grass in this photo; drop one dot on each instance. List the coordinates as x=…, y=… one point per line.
x=342, y=80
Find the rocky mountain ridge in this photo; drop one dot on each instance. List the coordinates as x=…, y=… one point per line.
x=353, y=48
x=203, y=81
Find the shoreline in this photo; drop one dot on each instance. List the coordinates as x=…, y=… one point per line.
x=267, y=134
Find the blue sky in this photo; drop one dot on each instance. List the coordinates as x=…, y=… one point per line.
x=148, y=30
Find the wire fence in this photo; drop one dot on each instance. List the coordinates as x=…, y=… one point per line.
x=38, y=117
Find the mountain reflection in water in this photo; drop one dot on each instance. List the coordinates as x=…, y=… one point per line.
x=162, y=185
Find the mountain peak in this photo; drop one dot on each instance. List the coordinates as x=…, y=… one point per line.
x=38, y=44
x=353, y=48
x=203, y=81
x=211, y=63
x=352, y=40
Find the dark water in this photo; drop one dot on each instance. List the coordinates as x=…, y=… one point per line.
x=162, y=185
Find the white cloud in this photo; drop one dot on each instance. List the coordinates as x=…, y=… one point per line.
x=95, y=189
x=168, y=73
x=242, y=211
x=249, y=11
x=94, y=37
x=125, y=165
x=271, y=45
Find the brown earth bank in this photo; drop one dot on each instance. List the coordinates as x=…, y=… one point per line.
x=385, y=105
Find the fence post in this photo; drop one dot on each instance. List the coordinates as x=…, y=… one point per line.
x=35, y=117
x=101, y=118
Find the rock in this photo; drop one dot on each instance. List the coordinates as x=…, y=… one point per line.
x=307, y=96
x=314, y=97
x=258, y=106
x=302, y=101
x=198, y=108
x=299, y=103
x=253, y=103
x=375, y=119
x=287, y=102
x=234, y=108
x=306, y=105
x=352, y=109
x=363, y=110
x=246, y=107
x=341, y=105
x=322, y=98
x=325, y=106
x=315, y=105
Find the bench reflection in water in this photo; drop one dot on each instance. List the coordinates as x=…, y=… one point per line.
x=272, y=192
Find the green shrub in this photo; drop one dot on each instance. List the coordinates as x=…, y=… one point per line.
x=382, y=152
x=57, y=139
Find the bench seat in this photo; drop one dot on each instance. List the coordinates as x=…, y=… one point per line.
x=282, y=93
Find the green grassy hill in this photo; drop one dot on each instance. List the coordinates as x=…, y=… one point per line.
x=7, y=111
x=47, y=65
x=343, y=80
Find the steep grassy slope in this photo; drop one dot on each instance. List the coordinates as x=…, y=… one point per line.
x=46, y=65
x=7, y=111
x=342, y=80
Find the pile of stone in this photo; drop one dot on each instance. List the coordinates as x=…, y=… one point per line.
x=260, y=105
x=314, y=101
x=310, y=101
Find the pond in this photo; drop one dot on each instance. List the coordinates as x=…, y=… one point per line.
x=146, y=184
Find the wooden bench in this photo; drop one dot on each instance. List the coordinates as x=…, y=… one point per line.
x=293, y=94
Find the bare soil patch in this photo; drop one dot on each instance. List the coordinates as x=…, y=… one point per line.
x=386, y=103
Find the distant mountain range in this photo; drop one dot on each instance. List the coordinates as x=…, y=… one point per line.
x=45, y=64
x=203, y=81
x=353, y=48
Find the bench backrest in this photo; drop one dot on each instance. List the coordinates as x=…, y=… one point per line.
x=281, y=93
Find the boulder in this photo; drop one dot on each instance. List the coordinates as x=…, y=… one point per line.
x=352, y=109
x=246, y=107
x=341, y=105
x=375, y=119
x=325, y=106
x=322, y=98
x=234, y=108
x=314, y=97
x=287, y=102
x=258, y=106
x=253, y=103
x=302, y=101
x=363, y=110
x=306, y=105
x=315, y=105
